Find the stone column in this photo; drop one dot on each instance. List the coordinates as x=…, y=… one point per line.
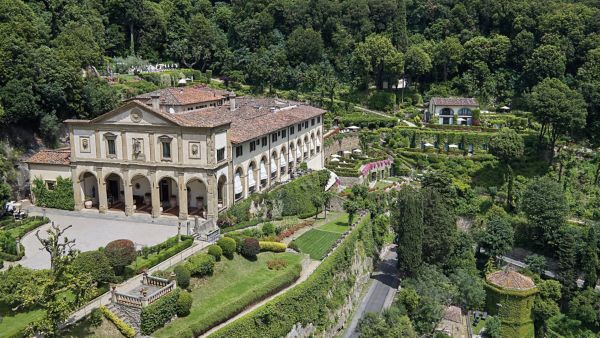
x=128, y=192
x=244, y=179
x=76, y=189
x=154, y=187
x=102, y=198
x=211, y=190
x=124, y=145
x=257, y=178
x=183, y=198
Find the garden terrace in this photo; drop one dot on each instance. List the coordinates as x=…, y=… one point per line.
x=350, y=166
x=318, y=241
x=234, y=285
x=12, y=230
x=366, y=120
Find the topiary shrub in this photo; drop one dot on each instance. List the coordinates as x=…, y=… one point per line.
x=272, y=246
x=250, y=248
x=201, y=265
x=155, y=315
x=184, y=304
x=268, y=229
x=96, y=264
x=120, y=253
x=183, y=276
x=215, y=251
x=228, y=246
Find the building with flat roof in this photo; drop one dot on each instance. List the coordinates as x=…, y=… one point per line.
x=183, y=152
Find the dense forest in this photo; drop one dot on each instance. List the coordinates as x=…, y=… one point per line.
x=496, y=51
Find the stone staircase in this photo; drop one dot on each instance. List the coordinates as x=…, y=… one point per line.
x=128, y=314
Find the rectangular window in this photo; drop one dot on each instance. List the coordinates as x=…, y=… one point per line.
x=220, y=154
x=50, y=185
x=292, y=130
x=166, y=150
x=274, y=137
x=318, y=119
x=264, y=141
x=299, y=126
x=312, y=122
x=239, y=151
x=112, y=149
x=284, y=133
x=253, y=145
x=306, y=124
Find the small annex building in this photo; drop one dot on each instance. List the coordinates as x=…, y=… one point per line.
x=451, y=110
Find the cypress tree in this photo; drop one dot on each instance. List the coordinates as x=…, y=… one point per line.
x=408, y=223
x=590, y=259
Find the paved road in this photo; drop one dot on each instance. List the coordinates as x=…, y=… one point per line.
x=381, y=293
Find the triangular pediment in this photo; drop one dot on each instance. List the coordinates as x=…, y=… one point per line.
x=135, y=113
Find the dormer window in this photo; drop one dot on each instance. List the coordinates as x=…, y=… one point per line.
x=111, y=147
x=165, y=146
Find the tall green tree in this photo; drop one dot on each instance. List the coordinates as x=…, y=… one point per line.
x=498, y=236
x=508, y=146
x=567, y=262
x=558, y=108
x=377, y=59
x=589, y=259
x=546, y=208
x=439, y=228
x=408, y=223
x=416, y=63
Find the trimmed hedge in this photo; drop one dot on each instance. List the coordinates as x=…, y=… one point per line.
x=314, y=300
x=183, y=276
x=141, y=263
x=228, y=245
x=201, y=265
x=157, y=314
x=61, y=197
x=184, y=304
x=215, y=251
x=125, y=329
x=272, y=246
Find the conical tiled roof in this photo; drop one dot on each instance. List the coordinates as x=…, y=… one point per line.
x=511, y=280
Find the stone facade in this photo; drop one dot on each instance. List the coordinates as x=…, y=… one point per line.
x=141, y=158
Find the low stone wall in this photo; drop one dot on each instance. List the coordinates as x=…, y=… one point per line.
x=349, y=142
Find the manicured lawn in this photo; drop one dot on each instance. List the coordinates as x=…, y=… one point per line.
x=12, y=323
x=339, y=225
x=234, y=285
x=316, y=243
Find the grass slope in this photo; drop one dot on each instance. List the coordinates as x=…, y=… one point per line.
x=339, y=225
x=316, y=243
x=12, y=323
x=234, y=285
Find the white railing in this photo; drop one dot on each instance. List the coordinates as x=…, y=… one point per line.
x=155, y=296
x=129, y=300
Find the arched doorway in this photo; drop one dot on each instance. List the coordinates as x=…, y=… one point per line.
x=238, y=186
x=88, y=183
x=251, y=178
x=197, y=197
x=222, y=192
x=168, y=196
x=142, y=193
x=115, y=195
x=264, y=175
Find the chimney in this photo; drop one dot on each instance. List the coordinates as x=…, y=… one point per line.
x=232, y=101
x=155, y=97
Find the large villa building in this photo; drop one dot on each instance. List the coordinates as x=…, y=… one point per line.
x=190, y=151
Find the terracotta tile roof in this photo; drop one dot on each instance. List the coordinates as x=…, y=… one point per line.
x=511, y=280
x=252, y=118
x=257, y=117
x=454, y=101
x=60, y=156
x=184, y=95
x=453, y=314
